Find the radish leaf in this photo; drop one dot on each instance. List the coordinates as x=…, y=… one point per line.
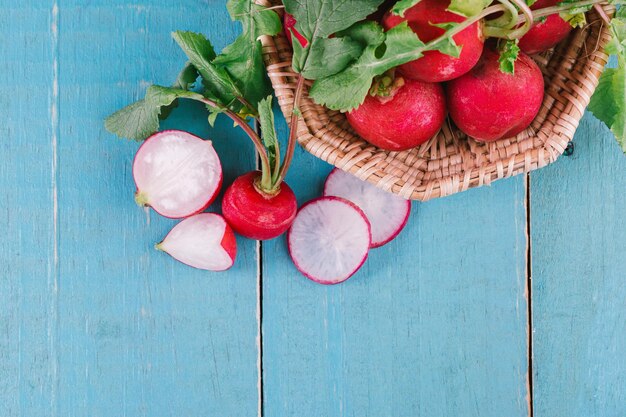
x=609, y=100
x=347, y=90
x=243, y=59
x=402, y=6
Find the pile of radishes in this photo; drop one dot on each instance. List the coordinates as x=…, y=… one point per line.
x=408, y=105
x=179, y=175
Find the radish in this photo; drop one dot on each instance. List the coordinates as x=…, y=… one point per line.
x=329, y=240
x=177, y=174
x=407, y=115
x=289, y=25
x=204, y=241
x=436, y=66
x=256, y=214
x=488, y=104
x=547, y=33
x=386, y=212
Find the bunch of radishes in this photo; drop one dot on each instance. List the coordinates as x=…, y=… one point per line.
x=408, y=105
x=179, y=175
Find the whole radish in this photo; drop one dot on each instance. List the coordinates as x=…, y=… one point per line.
x=204, y=241
x=546, y=33
x=258, y=214
x=435, y=66
x=289, y=25
x=488, y=104
x=176, y=173
x=407, y=114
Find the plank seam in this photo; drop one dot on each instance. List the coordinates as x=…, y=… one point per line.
x=529, y=293
x=259, y=252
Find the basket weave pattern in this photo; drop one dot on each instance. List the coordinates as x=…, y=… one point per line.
x=451, y=162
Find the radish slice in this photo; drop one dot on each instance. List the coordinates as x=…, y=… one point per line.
x=203, y=241
x=329, y=240
x=177, y=174
x=387, y=213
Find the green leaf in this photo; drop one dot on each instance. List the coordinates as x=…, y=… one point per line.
x=365, y=33
x=468, y=8
x=187, y=77
x=609, y=103
x=347, y=90
x=509, y=51
x=320, y=19
x=243, y=59
x=217, y=82
x=270, y=138
x=136, y=121
x=402, y=6
x=186, y=80
x=447, y=45
x=141, y=119
x=609, y=100
x=329, y=56
x=159, y=96
x=258, y=19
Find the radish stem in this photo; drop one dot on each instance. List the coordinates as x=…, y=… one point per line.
x=295, y=114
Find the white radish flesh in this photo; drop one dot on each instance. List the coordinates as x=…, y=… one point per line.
x=177, y=174
x=204, y=241
x=329, y=240
x=387, y=213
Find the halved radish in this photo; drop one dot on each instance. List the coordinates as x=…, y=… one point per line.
x=203, y=241
x=329, y=240
x=177, y=174
x=386, y=212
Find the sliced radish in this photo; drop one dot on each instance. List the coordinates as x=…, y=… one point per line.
x=177, y=174
x=203, y=241
x=387, y=213
x=329, y=240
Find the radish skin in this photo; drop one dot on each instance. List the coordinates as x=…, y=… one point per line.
x=414, y=114
x=488, y=105
x=435, y=66
x=256, y=215
x=204, y=241
x=547, y=33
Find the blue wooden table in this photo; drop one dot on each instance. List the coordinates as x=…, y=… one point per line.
x=502, y=301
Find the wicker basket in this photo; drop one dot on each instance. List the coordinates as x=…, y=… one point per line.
x=451, y=162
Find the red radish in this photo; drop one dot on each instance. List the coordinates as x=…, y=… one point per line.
x=386, y=212
x=413, y=115
x=435, y=66
x=547, y=33
x=289, y=25
x=329, y=240
x=203, y=241
x=488, y=104
x=177, y=174
x=255, y=214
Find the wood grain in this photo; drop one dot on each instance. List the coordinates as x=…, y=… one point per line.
x=115, y=328
x=579, y=290
x=434, y=325
x=28, y=284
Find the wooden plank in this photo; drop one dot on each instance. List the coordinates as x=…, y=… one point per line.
x=118, y=328
x=27, y=262
x=578, y=287
x=434, y=325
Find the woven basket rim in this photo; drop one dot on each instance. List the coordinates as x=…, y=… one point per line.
x=450, y=162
